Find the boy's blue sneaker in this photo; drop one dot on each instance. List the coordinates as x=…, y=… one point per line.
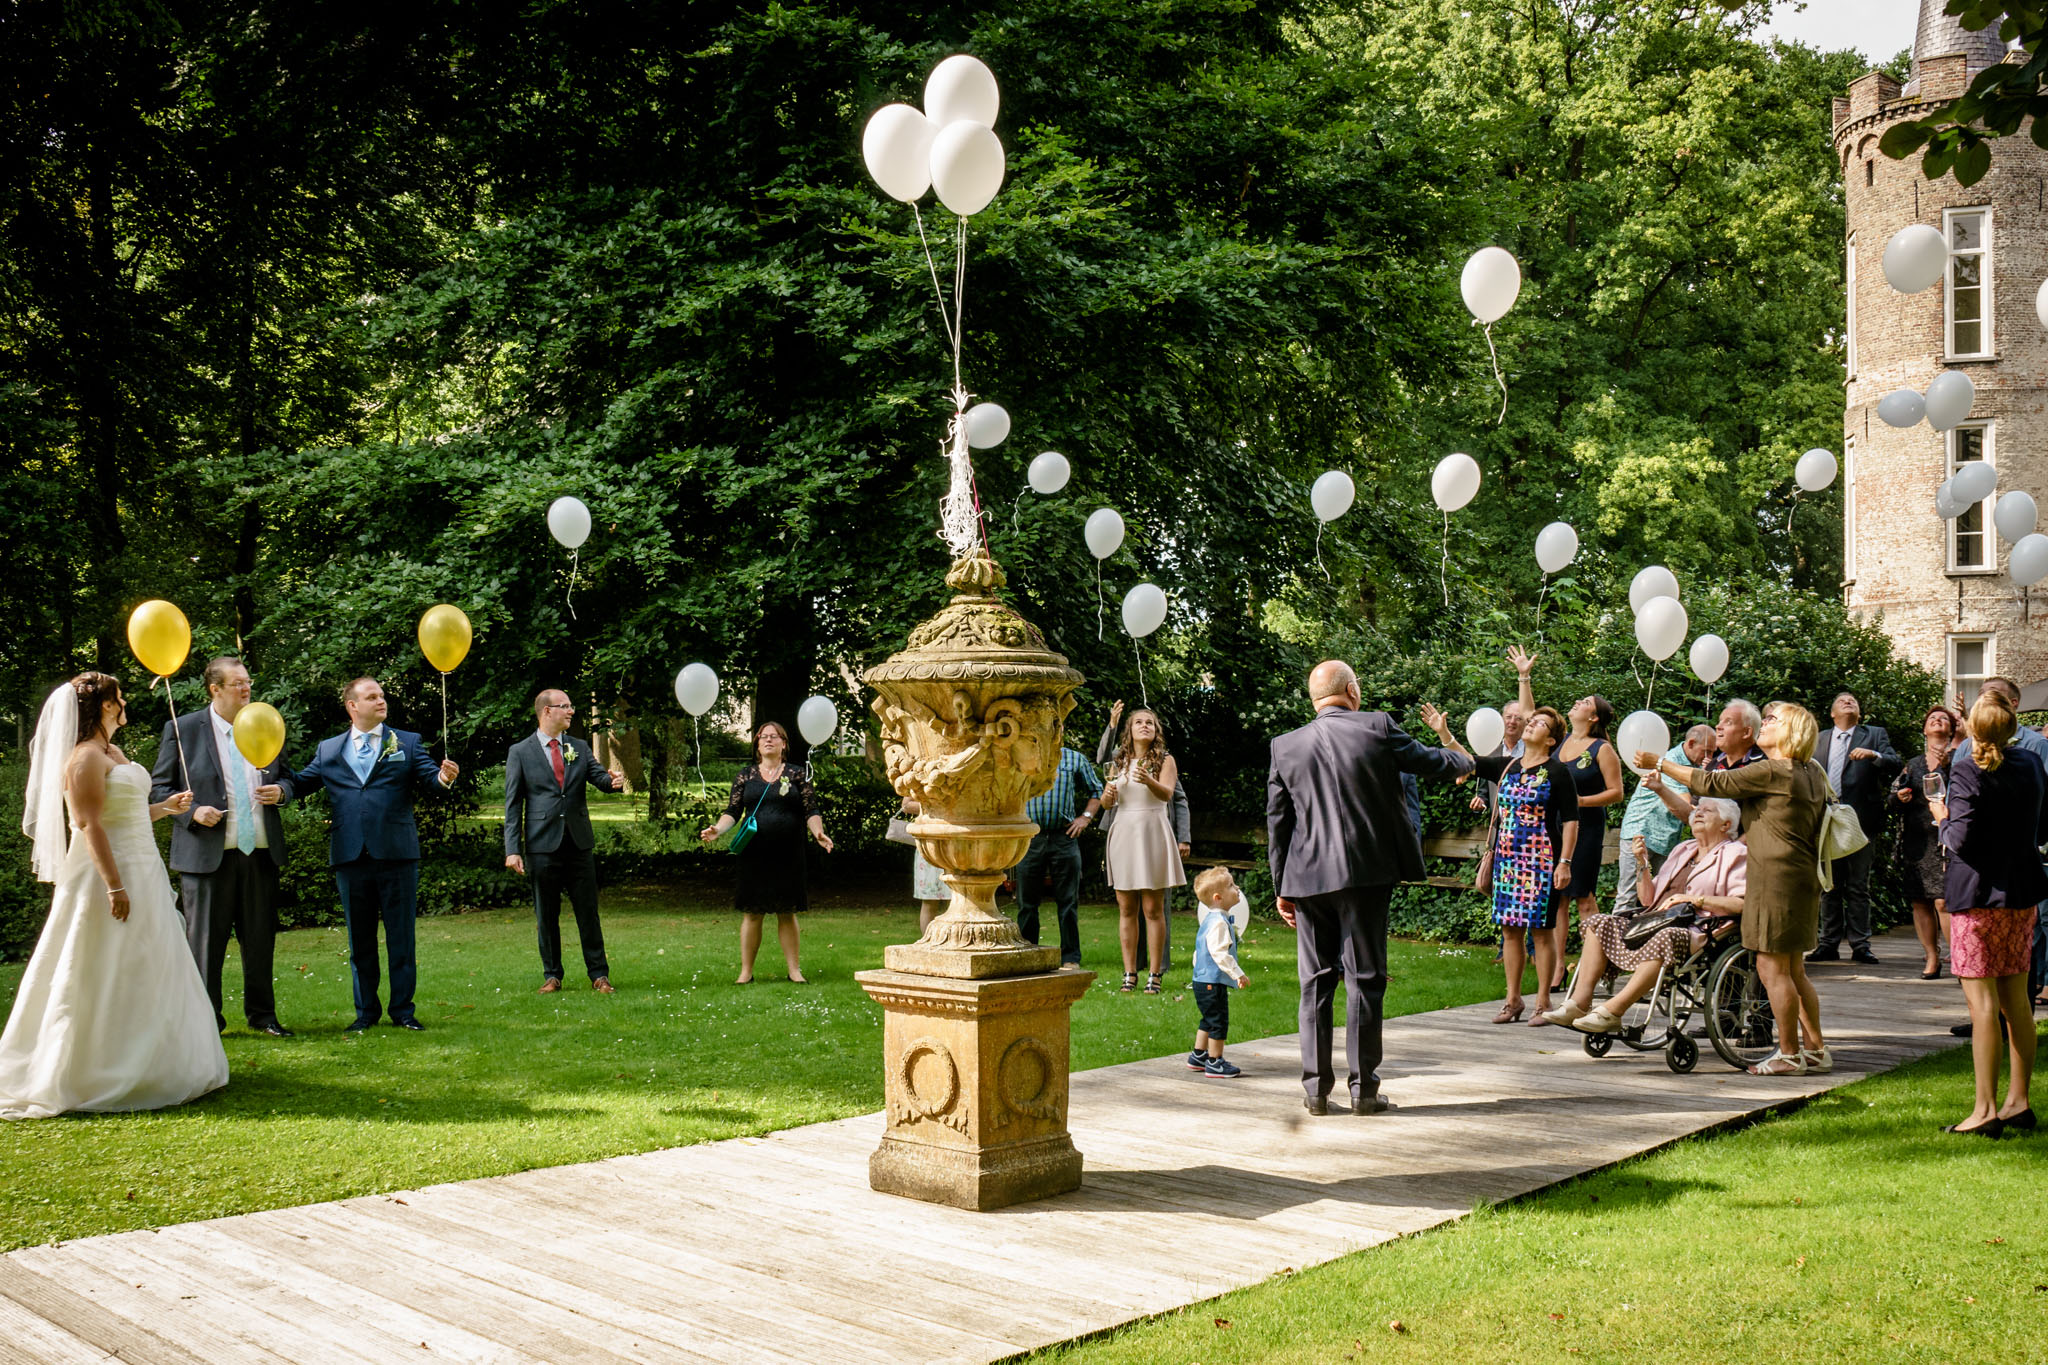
x=1216, y=1066
x=1198, y=1060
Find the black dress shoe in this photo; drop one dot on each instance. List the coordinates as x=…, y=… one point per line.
x=1962, y=1030
x=1864, y=956
x=415, y=1025
x=2023, y=1121
x=274, y=1029
x=1993, y=1128
x=1371, y=1104
x=1316, y=1104
x=1824, y=955
x=359, y=1025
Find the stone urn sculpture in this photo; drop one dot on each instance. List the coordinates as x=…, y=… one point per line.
x=973, y=716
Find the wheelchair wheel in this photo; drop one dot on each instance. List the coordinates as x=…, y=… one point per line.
x=1597, y=1044
x=1682, y=1055
x=1739, y=1020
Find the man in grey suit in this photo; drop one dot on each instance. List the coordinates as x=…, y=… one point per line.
x=1339, y=838
x=548, y=835
x=229, y=848
x=1861, y=763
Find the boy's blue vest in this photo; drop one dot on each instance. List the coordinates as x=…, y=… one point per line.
x=1206, y=970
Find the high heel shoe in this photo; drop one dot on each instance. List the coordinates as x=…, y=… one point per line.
x=1130, y=983
x=1152, y=982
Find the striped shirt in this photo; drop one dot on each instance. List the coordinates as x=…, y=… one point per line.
x=1055, y=809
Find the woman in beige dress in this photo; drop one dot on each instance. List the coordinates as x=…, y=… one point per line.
x=1144, y=862
x=1783, y=800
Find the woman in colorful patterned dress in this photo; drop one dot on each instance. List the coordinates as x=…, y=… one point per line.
x=1535, y=831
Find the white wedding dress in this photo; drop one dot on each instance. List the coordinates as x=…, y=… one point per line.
x=112, y=1014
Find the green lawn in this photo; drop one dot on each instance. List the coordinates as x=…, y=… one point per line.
x=1851, y=1230
x=506, y=1080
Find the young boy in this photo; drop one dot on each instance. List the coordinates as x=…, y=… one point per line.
x=1224, y=914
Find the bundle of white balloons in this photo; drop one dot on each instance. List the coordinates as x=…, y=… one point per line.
x=950, y=146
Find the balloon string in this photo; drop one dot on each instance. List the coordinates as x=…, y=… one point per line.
x=931, y=265
x=177, y=738
x=1017, y=508
x=1444, y=570
x=697, y=751
x=1497, y=376
x=1788, y=528
x=1651, y=690
x=1319, y=549
x=1138, y=655
x=1098, y=599
x=570, y=597
x=959, y=307
x=1539, y=606
x=444, y=717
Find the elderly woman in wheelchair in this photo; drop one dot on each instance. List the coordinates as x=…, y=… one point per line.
x=1694, y=900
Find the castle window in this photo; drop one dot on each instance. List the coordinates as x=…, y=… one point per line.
x=1870, y=172
x=1969, y=536
x=1849, y=345
x=1969, y=281
x=1970, y=662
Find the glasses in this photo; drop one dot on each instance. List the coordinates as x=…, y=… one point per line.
x=560, y=706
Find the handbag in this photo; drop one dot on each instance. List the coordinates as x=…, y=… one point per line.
x=1841, y=833
x=743, y=833
x=1647, y=924
x=899, y=831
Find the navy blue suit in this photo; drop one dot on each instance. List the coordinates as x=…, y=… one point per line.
x=374, y=848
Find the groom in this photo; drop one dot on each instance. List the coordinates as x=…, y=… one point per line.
x=368, y=772
x=548, y=835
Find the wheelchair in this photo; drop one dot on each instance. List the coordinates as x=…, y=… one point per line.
x=1718, y=983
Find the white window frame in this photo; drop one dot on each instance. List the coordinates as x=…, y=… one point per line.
x=1849, y=510
x=1989, y=640
x=1953, y=439
x=1849, y=347
x=1986, y=337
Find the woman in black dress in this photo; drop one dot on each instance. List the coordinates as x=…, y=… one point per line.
x=1596, y=772
x=1922, y=866
x=771, y=873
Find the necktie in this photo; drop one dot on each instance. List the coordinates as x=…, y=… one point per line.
x=361, y=759
x=1838, y=756
x=245, y=812
x=555, y=754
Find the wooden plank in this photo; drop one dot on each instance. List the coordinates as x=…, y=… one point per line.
x=171, y=1335
x=27, y=1339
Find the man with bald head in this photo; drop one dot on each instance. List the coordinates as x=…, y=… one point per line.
x=1338, y=841
x=548, y=835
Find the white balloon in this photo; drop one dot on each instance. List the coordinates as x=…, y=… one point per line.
x=1456, y=481
x=2015, y=516
x=1642, y=730
x=967, y=166
x=1949, y=399
x=1556, y=546
x=1709, y=658
x=1104, y=532
x=696, y=688
x=1660, y=627
x=1332, y=495
x=1655, y=581
x=2041, y=303
x=569, y=521
x=1915, y=258
x=1901, y=408
x=1049, y=472
x=988, y=424
x=1973, y=481
x=1485, y=729
x=962, y=89
x=1491, y=283
x=1144, y=610
x=816, y=719
x=1816, y=470
x=1947, y=505
x=2029, y=561
x=897, y=146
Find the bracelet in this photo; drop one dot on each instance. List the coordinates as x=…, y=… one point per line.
x=117, y=891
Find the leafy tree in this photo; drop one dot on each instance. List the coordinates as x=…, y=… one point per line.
x=1957, y=134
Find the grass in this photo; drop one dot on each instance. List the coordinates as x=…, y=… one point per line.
x=1852, y=1229
x=507, y=1080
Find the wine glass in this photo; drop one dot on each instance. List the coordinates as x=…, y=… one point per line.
x=1937, y=790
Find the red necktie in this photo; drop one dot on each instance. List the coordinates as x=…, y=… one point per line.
x=555, y=754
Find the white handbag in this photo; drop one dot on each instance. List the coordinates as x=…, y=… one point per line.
x=1841, y=833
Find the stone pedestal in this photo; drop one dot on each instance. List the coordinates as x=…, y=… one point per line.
x=977, y=1087
x=974, y=1050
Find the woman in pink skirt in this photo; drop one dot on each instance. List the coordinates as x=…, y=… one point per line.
x=1991, y=826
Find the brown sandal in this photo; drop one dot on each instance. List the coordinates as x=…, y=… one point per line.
x=1508, y=1014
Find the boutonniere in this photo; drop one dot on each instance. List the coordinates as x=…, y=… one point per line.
x=568, y=753
x=390, y=746
x=782, y=788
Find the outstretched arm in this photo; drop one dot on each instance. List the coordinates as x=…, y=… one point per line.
x=1525, y=663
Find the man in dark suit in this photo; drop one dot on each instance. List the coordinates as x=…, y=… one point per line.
x=1339, y=838
x=1861, y=764
x=548, y=837
x=368, y=772
x=229, y=848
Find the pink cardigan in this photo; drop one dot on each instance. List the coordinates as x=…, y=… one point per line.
x=1724, y=872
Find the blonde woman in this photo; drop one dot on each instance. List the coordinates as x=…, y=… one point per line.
x=1144, y=861
x=1783, y=800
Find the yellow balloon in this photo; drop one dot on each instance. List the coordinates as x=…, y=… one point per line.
x=444, y=637
x=259, y=733
x=160, y=636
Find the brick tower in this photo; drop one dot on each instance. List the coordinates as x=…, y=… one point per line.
x=1941, y=586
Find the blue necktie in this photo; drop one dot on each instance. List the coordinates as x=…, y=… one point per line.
x=245, y=813
x=361, y=759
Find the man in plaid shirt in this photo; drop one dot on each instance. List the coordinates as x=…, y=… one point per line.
x=1055, y=852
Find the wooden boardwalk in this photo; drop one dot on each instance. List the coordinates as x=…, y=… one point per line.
x=775, y=1250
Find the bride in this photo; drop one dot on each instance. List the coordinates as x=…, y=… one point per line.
x=111, y=1014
